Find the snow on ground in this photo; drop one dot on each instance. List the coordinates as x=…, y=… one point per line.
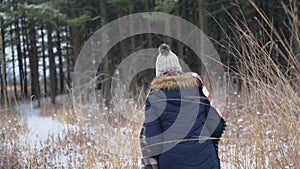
x=39, y=127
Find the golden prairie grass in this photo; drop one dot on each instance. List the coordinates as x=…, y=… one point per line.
x=263, y=123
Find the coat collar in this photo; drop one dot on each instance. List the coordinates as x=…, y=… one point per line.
x=173, y=82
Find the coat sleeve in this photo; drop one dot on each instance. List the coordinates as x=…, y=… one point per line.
x=153, y=128
x=153, y=125
x=215, y=123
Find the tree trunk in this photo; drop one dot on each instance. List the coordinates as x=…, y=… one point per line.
x=76, y=42
x=76, y=35
x=131, y=27
x=179, y=44
x=203, y=26
x=60, y=57
x=33, y=61
x=25, y=47
x=52, y=66
x=4, y=97
x=167, y=39
x=148, y=35
x=44, y=61
x=1, y=66
x=105, y=69
x=20, y=61
x=13, y=60
x=1, y=81
x=69, y=60
x=123, y=50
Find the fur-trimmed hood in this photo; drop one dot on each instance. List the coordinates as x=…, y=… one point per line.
x=173, y=82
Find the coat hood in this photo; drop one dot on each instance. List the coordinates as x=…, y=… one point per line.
x=173, y=82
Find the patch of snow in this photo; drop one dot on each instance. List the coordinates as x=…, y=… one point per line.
x=39, y=128
x=33, y=6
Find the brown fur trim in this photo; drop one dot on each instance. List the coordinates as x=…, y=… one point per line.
x=173, y=82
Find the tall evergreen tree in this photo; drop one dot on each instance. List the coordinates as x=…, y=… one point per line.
x=33, y=61
x=4, y=97
x=52, y=65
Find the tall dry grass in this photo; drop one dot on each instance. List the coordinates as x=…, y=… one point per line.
x=93, y=138
x=264, y=120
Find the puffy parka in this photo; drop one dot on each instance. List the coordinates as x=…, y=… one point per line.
x=182, y=129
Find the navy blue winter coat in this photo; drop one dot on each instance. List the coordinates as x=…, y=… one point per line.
x=178, y=121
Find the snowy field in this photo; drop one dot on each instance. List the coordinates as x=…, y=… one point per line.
x=34, y=140
x=51, y=141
